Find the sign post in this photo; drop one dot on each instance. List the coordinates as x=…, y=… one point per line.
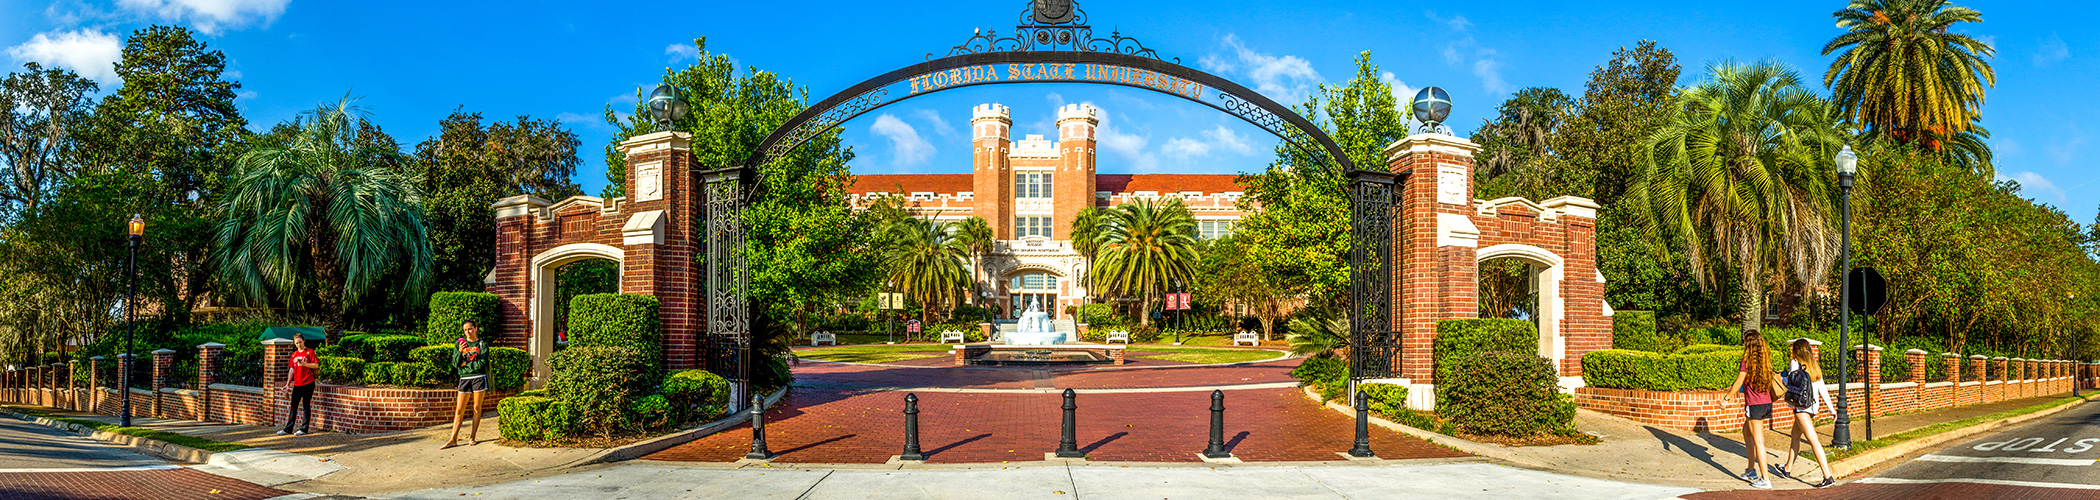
x=1866, y=292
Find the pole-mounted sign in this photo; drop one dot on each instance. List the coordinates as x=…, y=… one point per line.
x=1866, y=291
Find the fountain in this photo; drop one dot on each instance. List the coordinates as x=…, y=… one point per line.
x=1034, y=328
x=1035, y=342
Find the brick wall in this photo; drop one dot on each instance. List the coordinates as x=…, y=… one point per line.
x=1715, y=411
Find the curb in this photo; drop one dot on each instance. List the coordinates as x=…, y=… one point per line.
x=154, y=447
x=1878, y=456
x=1474, y=448
x=645, y=448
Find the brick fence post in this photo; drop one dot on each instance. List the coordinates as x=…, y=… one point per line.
x=95, y=384
x=1953, y=366
x=163, y=365
x=207, y=369
x=1870, y=355
x=2003, y=376
x=48, y=376
x=72, y=385
x=1916, y=357
x=276, y=352
x=1976, y=367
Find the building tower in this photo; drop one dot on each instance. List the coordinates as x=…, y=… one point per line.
x=1074, y=189
x=991, y=171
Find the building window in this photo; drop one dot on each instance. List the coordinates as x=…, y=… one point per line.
x=1032, y=185
x=1031, y=226
x=1213, y=229
x=1034, y=282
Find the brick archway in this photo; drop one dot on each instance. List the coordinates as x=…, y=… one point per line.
x=649, y=232
x=1443, y=234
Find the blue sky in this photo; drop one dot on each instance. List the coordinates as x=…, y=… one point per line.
x=414, y=62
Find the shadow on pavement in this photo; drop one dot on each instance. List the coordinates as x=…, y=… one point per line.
x=1691, y=449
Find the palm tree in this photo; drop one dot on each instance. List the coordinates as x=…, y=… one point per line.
x=1144, y=246
x=322, y=215
x=1740, y=174
x=1086, y=234
x=977, y=238
x=926, y=264
x=1903, y=73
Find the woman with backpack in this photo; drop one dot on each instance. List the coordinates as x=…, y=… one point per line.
x=1807, y=394
x=1754, y=378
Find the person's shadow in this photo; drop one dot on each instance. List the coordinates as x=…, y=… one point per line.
x=1694, y=450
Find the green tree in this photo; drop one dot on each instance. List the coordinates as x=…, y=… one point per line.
x=1227, y=274
x=1086, y=240
x=38, y=110
x=1737, y=177
x=926, y=260
x=1518, y=149
x=977, y=239
x=322, y=216
x=1903, y=73
x=467, y=167
x=1144, y=248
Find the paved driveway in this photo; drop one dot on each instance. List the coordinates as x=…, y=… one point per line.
x=38, y=462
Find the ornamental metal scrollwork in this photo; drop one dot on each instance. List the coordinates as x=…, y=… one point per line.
x=1030, y=36
x=1371, y=338
x=728, y=274
x=831, y=118
x=1275, y=125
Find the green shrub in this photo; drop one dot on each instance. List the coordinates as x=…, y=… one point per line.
x=393, y=348
x=403, y=374
x=337, y=351
x=508, y=367
x=1143, y=334
x=342, y=370
x=438, y=356
x=1326, y=374
x=535, y=418
x=616, y=320
x=1097, y=315
x=1390, y=401
x=1504, y=394
x=1458, y=338
x=1708, y=348
x=449, y=309
x=697, y=394
x=1623, y=369
x=601, y=382
x=651, y=412
x=1635, y=330
x=357, y=346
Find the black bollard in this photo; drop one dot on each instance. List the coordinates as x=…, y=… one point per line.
x=1068, y=444
x=758, y=429
x=1363, y=429
x=1217, y=426
x=911, y=430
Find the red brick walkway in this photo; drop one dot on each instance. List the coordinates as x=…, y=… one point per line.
x=845, y=426
x=871, y=376
x=128, y=485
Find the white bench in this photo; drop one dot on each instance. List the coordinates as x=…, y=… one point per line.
x=815, y=338
x=1250, y=338
x=952, y=335
x=1123, y=336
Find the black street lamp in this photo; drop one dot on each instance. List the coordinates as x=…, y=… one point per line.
x=1847, y=166
x=666, y=107
x=136, y=232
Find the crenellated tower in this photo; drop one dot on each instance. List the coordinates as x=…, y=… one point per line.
x=1074, y=189
x=992, y=179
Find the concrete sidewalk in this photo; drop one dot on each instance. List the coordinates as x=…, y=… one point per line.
x=1430, y=479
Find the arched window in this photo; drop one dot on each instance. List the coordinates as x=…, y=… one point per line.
x=1032, y=282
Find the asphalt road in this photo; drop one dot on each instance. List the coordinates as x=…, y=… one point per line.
x=38, y=462
x=2052, y=457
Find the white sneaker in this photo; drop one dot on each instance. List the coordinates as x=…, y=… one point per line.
x=281, y=432
x=1761, y=483
x=300, y=433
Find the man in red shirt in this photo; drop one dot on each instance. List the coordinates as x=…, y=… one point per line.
x=304, y=365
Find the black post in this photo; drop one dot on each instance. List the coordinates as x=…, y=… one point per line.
x=758, y=429
x=1217, y=426
x=911, y=429
x=1841, y=431
x=1363, y=429
x=1068, y=443
x=131, y=295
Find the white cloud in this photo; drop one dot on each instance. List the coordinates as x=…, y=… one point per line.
x=88, y=52
x=906, y=147
x=1218, y=139
x=2036, y=187
x=1228, y=140
x=209, y=16
x=1464, y=50
x=1129, y=147
x=1282, y=78
x=1490, y=72
x=940, y=126
x=681, y=51
x=567, y=117
x=2054, y=49
x=1402, y=92
x=1182, y=148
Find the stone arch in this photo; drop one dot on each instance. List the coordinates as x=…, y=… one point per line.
x=1548, y=269
x=541, y=341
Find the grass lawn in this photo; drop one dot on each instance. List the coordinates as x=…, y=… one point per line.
x=181, y=439
x=879, y=353
x=1201, y=355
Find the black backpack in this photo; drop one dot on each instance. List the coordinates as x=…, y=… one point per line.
x=1800, y=391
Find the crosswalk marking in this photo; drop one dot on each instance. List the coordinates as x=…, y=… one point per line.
x=2000, y=482
x=2007, y=460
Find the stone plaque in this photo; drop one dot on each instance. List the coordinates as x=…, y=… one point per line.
x=1451, y=186
x=649, y=181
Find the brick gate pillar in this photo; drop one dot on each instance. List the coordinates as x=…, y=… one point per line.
x=163, y=364
x=207, y=368
x=1435, y=277
x=664, y=200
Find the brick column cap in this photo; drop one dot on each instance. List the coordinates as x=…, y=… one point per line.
x=124, y=355
x=163, y=352
x=672, y=139
x=1977, y=356
x=278, y=341
x=1811, y=341
x=2000, y=358
x=1870, y=347
x=1430, y=142
x=96, y=358
x=1916, y=352
x=1949, y=354
x=210, y=345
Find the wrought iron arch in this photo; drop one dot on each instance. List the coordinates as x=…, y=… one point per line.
x=1052, y=46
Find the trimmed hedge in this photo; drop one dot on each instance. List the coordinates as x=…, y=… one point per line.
x=438, y=356
x=1505, y=394
x=535, y=418
x=616, y=320
x=653, y=411
x=1458, y=338
x=508, y=367
x=340, y=369
x=1390, y=401
x=1635, y=331
x=1623, y=369
x=601, y=382
x=449, y=309
x=696, y=394
x=392, y=348
x=402, y=374
x=1708, y=348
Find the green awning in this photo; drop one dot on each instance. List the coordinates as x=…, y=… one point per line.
x=286, y=332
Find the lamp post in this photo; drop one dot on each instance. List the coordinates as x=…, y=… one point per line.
x=136, y=231
x=1847, y=166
